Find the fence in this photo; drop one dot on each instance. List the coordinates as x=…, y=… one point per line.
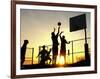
x=75, y=51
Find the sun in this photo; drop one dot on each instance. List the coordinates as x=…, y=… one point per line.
x=60, y=60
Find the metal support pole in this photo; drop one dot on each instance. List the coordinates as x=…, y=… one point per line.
x=32, y=55
x=87, y=57
x=39, y=57
x=72, y=53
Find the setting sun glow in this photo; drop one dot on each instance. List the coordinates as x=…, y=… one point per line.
x=60, y=60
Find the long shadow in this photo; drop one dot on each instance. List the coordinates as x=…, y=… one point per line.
x=40, y=66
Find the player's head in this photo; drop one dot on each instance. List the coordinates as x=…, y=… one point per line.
x=53, y=34
x=63, y=37
x=43, y=46
x=26, y=41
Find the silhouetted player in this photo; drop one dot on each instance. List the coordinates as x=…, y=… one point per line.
x=48, y=56
x=55, y=44
x=42, y=54
x=63, y=47
x=23, y=51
